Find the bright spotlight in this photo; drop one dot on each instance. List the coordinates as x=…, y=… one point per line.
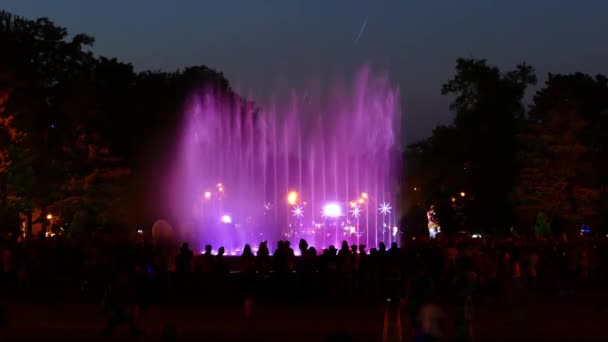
x=292, y=198
x=353, y=204
x=49, y=217
x=207, y=194
x=361, y=200
x=226, y=219
x=364, y=195
x=462, y=194
x=332, y=210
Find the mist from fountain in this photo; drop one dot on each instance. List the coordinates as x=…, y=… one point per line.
x=239, y=161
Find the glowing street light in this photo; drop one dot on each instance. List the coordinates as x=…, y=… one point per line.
x=207, y=194
x=49, y=217
x=292, y=198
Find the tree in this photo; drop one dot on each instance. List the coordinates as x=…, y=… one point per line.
x=564, y=151
x=476, y=154
x=543, y=226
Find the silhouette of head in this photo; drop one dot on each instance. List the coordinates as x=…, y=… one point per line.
x=247, y=250
x=345, y=245
x=303, y=245
x=362, y=249
x=220, y=252
x=208, y=249
x=353, y=248
x=185, y=246
x=382, y=247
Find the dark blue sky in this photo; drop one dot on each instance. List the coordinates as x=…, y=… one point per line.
x=257, y=43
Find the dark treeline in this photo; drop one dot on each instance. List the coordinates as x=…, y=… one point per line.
x=81, y=136
x=499, y=165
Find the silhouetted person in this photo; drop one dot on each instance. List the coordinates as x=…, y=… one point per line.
x=345, y=268
x=356, y=264
x=248, y=280
x=221, y=267
x=119, y=302
x=207, y=260
x=263, y=263
x=303, y=245
x=280, y=258
x=290, y=255
x=463, y=286
x=363, y=267
x=183, y=262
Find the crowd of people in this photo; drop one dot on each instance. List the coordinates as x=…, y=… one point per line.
x=433, y=279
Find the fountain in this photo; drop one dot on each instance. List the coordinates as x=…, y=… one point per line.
x=245, y=175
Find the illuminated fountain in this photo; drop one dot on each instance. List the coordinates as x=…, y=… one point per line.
x=289, y=170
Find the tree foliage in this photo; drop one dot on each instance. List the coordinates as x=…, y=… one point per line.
x=81, y=133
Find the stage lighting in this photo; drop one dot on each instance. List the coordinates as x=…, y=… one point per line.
x=226, y=219
x=332, y=210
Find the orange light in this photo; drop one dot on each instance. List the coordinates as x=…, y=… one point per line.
x=353, y=204
x=462, y=194
x=453, y=199
x=364, y=195
x=361, y=200
x=292, y=198
x=49, y=217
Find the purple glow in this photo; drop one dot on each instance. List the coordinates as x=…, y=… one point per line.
x=331, y=144
x=332, y=210
x=226, y=219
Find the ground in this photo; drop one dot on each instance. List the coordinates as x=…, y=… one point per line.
x=578, y=317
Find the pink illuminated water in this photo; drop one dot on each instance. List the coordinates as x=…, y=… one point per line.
x=240, y=162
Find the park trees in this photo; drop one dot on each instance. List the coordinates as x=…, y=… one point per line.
x=468, y=168
x=563, y=154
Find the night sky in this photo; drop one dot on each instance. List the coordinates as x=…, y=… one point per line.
x=259, y=44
